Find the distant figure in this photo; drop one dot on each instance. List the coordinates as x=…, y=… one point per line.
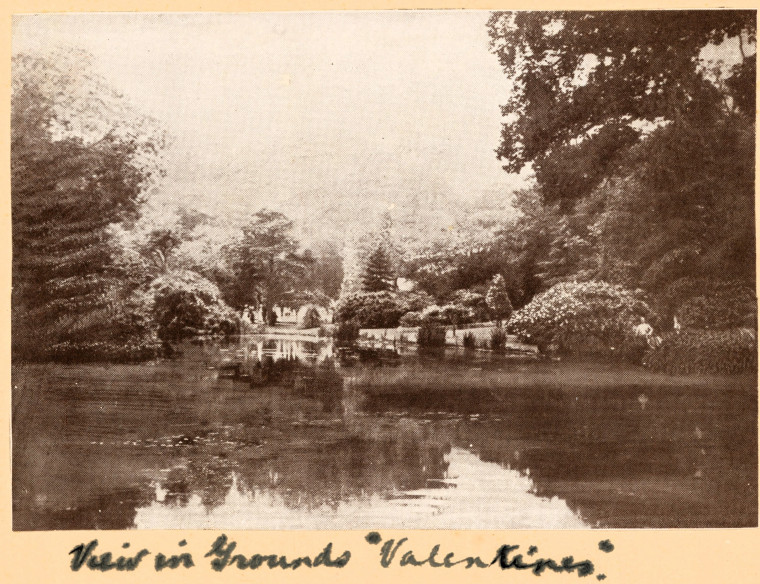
x=676, y=325
x=644, y=329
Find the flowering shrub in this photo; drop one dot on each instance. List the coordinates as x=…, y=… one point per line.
x=703, y=351
x=370, y=309
x=475, y=302
x=411, y=319
x=592, y=318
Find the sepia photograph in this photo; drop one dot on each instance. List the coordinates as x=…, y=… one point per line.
x=419, y=269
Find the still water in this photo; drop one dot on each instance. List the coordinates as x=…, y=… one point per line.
x=284, y=434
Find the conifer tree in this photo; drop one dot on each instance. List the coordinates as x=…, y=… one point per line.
x=378, y=274
x=498, y=299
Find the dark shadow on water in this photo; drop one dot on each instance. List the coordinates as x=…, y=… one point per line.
x=308, y=436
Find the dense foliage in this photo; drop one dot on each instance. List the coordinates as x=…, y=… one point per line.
x=346, y=332
x=497, y=298
x=717, y=306
x=640, y=129
x=431, y=335
x=378, y=274
x=594, y=318
x=473, y=301
x=310, y=318
x=265, y=264
x=379, y=309
x=74, y=173
x=581, y=78
x=449, y=314
x=702, y=351
x=184, y=304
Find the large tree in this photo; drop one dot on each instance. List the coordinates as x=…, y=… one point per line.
x=266, y=263
x=77, y=167
x=640, y=128
x=585, y=83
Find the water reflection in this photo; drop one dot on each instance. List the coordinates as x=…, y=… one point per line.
x=468, y=491
x=302, y=435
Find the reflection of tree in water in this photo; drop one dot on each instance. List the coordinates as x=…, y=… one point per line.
x=115, y=509
x=208, y=476
x=306, y=442
x=331, y=471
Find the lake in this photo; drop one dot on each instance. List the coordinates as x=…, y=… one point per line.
x=295, y=434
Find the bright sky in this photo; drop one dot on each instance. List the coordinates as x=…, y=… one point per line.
x=347, y=109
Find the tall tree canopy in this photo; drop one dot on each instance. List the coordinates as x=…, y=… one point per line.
x=79, y=163
x=583, y=83
x=640, y=129
x=265, y=262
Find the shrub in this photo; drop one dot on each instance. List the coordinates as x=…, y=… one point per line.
x=703, y=351
x=497, y=298
x=179, y=314
x=431, y=335
x=434, y=314
x=448, y=314
x=221, y=322
x=346, y=332
x=498, y=338
x=310, y=319
x=591, y=318
x=456, y=314
x=379, y=309
x=184, y=304
x=468, y=341
x=413, y=301
x=411, y=319
x=475, y=302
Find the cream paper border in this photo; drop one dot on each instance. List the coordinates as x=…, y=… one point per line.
x=641, y=556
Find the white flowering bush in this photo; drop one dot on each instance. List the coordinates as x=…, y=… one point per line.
x=591, y=318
